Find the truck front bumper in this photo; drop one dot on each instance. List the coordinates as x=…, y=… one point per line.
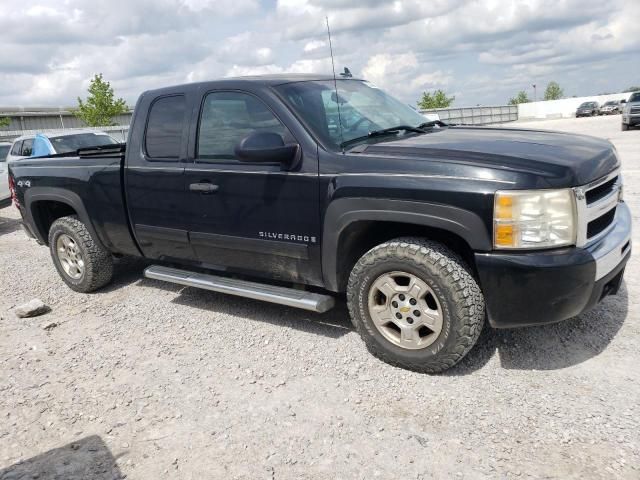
x=630, y=119
x=523, y=289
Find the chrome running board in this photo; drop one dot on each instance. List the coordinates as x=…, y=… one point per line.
x=314, y=302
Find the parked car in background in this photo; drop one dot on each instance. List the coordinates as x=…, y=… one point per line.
x=5, y=195
x=588, y=109
x=44, y=144
x=631, y=112
x=21, y=148
x=611, y=107
x=52, y=143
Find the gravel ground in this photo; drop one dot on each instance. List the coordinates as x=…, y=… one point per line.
x=146, y=380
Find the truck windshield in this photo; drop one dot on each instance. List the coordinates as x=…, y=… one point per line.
x=363, y=108
x=71, y=143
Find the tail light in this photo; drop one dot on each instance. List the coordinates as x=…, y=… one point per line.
x=12, y=189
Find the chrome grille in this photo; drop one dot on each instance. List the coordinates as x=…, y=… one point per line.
x=635, y=110
x=596, y=207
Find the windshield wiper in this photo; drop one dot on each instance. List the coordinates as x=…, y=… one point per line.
x=433, y=123
x=381, y=132
x=384, y=131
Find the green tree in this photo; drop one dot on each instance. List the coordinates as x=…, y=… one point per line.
x=553, y=91
x=100, y=106
x=5, y=122
x=437, y=99
x=521, y=97
x=631, y=89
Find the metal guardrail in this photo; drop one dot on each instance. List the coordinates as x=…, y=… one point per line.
x=118, y=132
x=477, y=115
x=47, y=118
x=461, y=116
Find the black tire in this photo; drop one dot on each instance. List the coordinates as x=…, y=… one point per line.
x=625, y=127
x=98, y=262
x=450, y=279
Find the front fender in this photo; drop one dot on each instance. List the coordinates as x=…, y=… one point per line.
x=345, y=211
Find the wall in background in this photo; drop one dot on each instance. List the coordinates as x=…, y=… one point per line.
x=563, y=108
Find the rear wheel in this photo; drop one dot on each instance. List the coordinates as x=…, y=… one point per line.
x=83, y=264
x=415, y=304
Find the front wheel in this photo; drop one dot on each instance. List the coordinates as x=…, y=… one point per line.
x=83, y=264
x=415, y=304
x=625, y=127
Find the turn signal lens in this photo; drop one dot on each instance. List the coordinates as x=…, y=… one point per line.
x=530, y=219
x=504, y=235
x=12, y=191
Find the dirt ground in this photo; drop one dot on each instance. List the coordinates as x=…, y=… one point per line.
x=146, y=380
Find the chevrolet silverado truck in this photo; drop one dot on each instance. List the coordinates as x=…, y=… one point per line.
x=298, y=189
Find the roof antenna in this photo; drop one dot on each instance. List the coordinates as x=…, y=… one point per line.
x=335, y=85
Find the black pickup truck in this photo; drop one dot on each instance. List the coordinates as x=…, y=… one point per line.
x=296, y=189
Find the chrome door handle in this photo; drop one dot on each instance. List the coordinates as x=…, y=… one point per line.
x=203, y=187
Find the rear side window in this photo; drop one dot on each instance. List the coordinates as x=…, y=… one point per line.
x=163, y=138
x=17, y=147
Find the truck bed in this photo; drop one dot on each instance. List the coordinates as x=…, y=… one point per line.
x=91, y=181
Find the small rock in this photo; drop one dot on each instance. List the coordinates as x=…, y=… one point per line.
x=49, y=326
x=32, y=309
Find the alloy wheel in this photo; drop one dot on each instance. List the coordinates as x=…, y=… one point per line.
x=405, y=310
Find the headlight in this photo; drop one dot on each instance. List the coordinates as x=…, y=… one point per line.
x=530, y=219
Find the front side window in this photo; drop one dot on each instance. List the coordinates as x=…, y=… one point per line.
x=163, y=138
x=228, y=117
x=358, y=107
x=27, y=147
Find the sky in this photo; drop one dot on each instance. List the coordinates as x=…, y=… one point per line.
x=481, y=51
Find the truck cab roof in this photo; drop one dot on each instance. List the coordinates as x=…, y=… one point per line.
x=262, y=80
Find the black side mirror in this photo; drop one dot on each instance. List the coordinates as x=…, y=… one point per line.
x=266, y=147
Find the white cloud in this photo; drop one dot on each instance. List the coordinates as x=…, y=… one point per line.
x=486, y=49
x=403, y=73
x=314, y=45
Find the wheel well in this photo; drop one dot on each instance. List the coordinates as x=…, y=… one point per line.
x=45, y=212
x=360, y=237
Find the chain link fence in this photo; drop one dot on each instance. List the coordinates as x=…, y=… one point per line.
x=477, y=115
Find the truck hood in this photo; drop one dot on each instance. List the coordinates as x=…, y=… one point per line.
x=564, y=159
